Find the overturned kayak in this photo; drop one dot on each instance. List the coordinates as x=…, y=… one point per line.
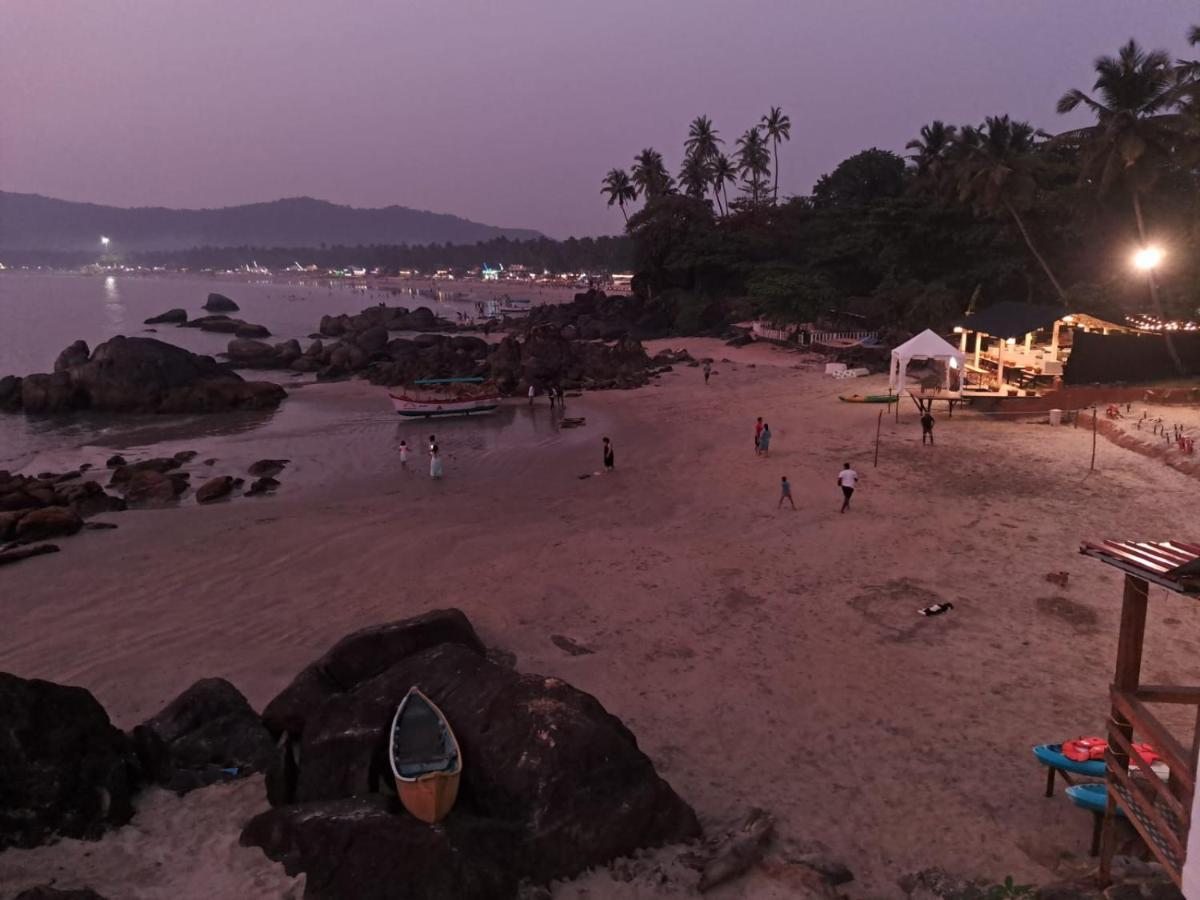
x=867, y=398
x=425, y=757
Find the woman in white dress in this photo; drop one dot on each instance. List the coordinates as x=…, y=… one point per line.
x=435, y=463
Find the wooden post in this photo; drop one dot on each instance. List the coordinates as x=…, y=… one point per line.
x=878, y=427
x=978, y=347
x=1093, y=467
x=1125, y=680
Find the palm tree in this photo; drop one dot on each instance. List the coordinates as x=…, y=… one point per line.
x=1135, y=136
x=932, y=148
x=995, y=167
x=723, y=172
x=753, y=161
x=650, y=174
x=702, y=139
x=778, y=127
x=695, y=175
x=620, y=189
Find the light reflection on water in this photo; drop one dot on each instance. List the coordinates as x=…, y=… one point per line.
x=114, y=309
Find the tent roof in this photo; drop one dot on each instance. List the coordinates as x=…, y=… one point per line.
x=929, y=345
x=1010, y=319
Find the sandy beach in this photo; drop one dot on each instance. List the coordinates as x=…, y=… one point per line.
x=763, y=657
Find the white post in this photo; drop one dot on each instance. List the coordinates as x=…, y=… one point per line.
x=978, y=347
x=1054, y=338
x=962, y=343
x=1000, y=364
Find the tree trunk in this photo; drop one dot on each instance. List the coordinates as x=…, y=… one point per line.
x=775, y=191
x=625, y=214
x=1032, y=249
x=1155, y=299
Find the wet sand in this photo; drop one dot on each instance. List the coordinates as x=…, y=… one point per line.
x=762, y=657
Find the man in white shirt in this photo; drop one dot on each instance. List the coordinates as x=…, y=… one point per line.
x=847, y=479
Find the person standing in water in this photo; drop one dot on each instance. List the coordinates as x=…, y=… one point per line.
x=764, y=440
x=785, y=488
x=435, y=464
x=847, y=479
x=707, y=370
x=609, y=458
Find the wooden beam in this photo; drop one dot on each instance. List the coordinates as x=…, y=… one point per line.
x=1168, y=693
x=1133, y=633
x=1128, y=710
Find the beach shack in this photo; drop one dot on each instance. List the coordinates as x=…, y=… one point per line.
x=1021, y=348
x=1160, y=810
x=943, y=372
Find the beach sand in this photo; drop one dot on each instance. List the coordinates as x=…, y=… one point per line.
x=762, y=657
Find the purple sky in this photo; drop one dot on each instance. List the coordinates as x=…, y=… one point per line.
x=508, y=112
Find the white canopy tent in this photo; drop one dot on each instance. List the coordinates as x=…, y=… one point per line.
x=927, y=345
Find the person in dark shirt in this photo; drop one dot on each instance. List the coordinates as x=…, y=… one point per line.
x=927, y=427
x=609, y=459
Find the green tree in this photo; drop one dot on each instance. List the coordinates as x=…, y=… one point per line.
x=861, y=180
x=620, y=189
x=779, y=128
x=695, y=176
x=996, y=173
x=753, y=162
x=931, y=150
x=724, y=172
x=702, y=139
x=650, y=174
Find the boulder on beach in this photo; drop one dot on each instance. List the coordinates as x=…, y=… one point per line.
x=250, y=330
x=75, y=355
x=267, y=467
x=170, y=317
x=148, y=487
x=67, y=770
x=48, y=522
x=219, y=303
x=209, y=733
x=552, y=784
x=262, y=486
x=214, y=489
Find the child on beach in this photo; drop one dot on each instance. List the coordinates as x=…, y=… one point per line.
x=435, y=464
x=764, y=440
x=927, y=427
x=785, y=488
x=609, y=459
x=707, y=370
x=403, y=454
x=847, y=479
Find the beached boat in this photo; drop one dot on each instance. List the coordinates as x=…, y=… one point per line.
x=445, y=397
x=867, y=398
x=512, y=307
x=425, y=757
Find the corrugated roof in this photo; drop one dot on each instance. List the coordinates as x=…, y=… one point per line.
x=1174, y=565
x=1009, y=319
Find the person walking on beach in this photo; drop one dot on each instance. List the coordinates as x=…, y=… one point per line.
x=785, y=492
x=435, y=464
x=764, y=440
x=609, y=458
x=847, y=479
x=403, y=454
x=707, y=370
x=432, y=443
x=927, y=427
x=531, y=392
x=758, y=427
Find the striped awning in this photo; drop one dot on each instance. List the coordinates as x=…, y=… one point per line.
x=1174, y=565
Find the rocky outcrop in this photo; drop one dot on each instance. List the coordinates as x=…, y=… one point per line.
x=267, y=468
x=209, y=733
x=48, y=522
x=170, y=317
x=552, y=784
x=67, y=769
x=595, y=316
x=148, y=487
x=75, y=355
x=215, y=489
x=21, y=494
x=251, y=354
x=219, y=303
x=222, y=324
x=137, y=375
x=545, y=359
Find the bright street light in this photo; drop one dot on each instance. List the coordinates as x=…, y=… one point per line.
x=104, y=240
x=1148, y=258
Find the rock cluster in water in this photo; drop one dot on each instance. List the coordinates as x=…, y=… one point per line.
x=138, y=375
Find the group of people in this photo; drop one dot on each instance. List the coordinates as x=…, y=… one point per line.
x=555, y=395
x=847, y=478
x=435, y=458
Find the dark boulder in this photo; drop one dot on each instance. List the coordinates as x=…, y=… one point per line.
x=55, y=393
x=185, y=455
x=262, y=486
x=268, y=468
x=221, y=324
x=332, y=326
x=362, y=655
x=67, y=769
x=148, y=488
x=75, y=355
x=214, y=489
x=208, y=733
x=250, y=330
x=49, y=522
x=114, y=462
x=10, y=393
x=305, y=364
x=125, y=471
x=315, y=349
x=287, y=351
x=170, y=317
x=250, y=354
x=373, y=339
x=8, y=523
x=421, y=319
x=220, y=303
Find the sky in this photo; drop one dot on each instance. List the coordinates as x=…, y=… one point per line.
x=508, y=113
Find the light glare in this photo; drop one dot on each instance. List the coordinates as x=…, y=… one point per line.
x=1148, y=258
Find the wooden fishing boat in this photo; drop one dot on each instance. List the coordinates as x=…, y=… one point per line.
x=867, y=398
x=425, y=757
x=445, y=397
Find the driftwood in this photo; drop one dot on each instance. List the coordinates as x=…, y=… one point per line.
x=16, y=554
x=740, y=850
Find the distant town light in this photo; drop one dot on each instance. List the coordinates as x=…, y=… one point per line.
x=1011, y=341
x=958, y=329
x=1148, y=258
x=104, y=240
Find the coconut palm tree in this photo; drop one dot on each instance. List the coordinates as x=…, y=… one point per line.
x=650, y=174
x=724, y=172
x=1136, y=135
x=695, y=175
x=995, y=168
x=932, y=148
x=753, y=161
x=620, y=189
x=779, y=128
x=702, y=139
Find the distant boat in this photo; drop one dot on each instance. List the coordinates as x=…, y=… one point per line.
x=515, y=307
x=445, y=397
x=425, y=757
x=869, y=398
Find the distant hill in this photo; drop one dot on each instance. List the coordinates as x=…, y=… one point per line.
x=34, y=222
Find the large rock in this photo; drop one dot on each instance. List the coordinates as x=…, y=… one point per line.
x=220, y=303
x=552, y=784
x=251, y=330
x=50, y=522
x=208, y=733
x=170, y=317
x=250, y=354
x=55, y=393
x=214, y=489
x=373, y=339
x=75, y=355
x=10, y=393
x=150, y=488
x=66, y=769
x=8, y=523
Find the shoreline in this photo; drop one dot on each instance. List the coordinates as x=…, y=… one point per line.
x=722, y=629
